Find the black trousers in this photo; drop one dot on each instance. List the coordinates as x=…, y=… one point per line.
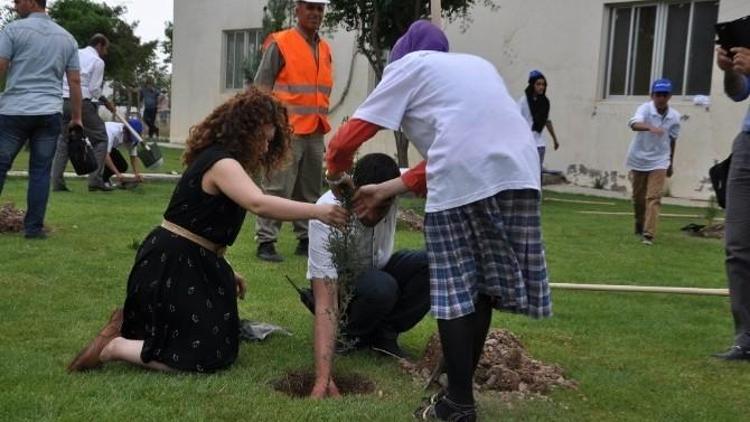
x=149, y=117
x=390, y=301
x=737, y=231
x=120, y=163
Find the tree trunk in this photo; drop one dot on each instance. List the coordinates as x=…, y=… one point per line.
x=402, y=149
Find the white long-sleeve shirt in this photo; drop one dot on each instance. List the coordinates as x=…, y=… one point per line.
x=92, y=75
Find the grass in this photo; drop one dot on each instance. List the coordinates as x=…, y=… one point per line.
x=636, y=356
x=172, y=161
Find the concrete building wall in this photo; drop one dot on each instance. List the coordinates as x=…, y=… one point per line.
x=565, y=39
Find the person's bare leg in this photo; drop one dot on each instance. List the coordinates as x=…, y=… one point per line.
x=129, y=351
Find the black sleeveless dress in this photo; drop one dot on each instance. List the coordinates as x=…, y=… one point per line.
x=181, y=297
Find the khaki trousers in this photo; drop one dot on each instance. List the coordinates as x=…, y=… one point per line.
x=648, y=187
x=300, y=180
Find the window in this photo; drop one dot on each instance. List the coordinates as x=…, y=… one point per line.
x=241, y=56
x=671, y=39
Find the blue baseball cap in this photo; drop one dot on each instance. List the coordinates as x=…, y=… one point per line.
x=662, y=86
x=534, y=75
x=136, y=125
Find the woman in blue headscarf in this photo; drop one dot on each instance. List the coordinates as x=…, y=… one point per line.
x=481, y=177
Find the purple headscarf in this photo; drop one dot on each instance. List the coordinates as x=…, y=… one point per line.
x=422, y=35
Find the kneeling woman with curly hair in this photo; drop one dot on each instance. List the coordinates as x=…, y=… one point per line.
x=180, y=312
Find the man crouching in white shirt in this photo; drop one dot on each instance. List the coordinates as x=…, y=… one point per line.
x=391, y=297
x=117, y=136
x=651, y=156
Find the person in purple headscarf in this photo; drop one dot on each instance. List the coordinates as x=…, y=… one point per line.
x=481, y=178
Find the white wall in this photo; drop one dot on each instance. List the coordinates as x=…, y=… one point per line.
x=562, y=38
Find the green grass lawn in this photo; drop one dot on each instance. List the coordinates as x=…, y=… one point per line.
x=636, y=356
x=172, y=161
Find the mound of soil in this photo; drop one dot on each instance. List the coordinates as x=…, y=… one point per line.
x=11, y=218
x=713, y=231
x=299, y=384
x=410, y=219
x=505, y=367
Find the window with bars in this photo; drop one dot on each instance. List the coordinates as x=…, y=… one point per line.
x=671, y=39
x=241, y=56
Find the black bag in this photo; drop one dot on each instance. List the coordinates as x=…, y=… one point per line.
x=150, y=154
x=719, y=174
x=81, y=152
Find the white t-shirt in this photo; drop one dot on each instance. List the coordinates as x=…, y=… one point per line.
x=649, y=151
x=116, y=137
x=523, y=105
x=457, y=112
x=377, y=245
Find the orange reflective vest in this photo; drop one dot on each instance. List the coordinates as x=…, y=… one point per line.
x=304, y=84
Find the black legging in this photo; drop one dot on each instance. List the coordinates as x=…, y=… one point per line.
x=149, y=117
x=463, y=342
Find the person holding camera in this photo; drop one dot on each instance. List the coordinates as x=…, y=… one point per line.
x=736, y=66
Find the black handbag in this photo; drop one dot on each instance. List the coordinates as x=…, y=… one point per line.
x=81, y=152
x=719, y=173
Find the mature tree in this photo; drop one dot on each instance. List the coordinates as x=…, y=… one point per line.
x=166, y=45
x=380, y=23
x=129, y=61
x=277, y=15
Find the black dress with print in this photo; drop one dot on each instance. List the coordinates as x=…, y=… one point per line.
x=181, y=297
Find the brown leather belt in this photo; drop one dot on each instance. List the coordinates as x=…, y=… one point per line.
x=219, y=250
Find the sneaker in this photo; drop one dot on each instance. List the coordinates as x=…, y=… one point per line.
x=389, y=347
x=647, y=240
x=302, y=247
x=100, y=188
x=267, y=252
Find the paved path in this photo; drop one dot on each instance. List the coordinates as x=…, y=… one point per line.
x=579, y=190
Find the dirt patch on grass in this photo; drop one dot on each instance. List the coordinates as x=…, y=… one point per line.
x=299, y=384
x=505, y=366
x=713, y=231
x=410, y=220
x=11, y=218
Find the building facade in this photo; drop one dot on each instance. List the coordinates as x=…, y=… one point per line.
x=599, y=58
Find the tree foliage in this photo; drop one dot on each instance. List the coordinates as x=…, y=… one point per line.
x=166, y=45
x=277, y=15
x=379, y=23
x=129, y=60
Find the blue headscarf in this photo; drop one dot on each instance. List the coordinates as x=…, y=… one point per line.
x=422, y=35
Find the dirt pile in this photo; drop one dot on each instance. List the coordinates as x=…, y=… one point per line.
x=11, y=218
x=410, y=220
x=505, y=367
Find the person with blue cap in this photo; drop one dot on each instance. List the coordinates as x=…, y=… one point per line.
x=118, y=135
x=535, y=108
x=651, y=156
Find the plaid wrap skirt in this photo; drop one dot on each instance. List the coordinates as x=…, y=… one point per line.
x=492, y=247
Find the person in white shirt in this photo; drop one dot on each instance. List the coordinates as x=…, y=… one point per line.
x=651, y=156
x=118, y=136
x=535, y=108
x=390, y=296
x=482, y=215
x=92, y=80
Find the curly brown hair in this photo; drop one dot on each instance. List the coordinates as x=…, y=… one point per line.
x=237, y=125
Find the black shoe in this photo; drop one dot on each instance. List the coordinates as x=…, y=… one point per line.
x=36, y=236
x=101, y=188
x=735, y=353
x=61, y=188
x=267, y=252
x=302, y=246
x=647, y=240
x=389, y=347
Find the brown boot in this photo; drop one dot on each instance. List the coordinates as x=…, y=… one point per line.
x=88, y=358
